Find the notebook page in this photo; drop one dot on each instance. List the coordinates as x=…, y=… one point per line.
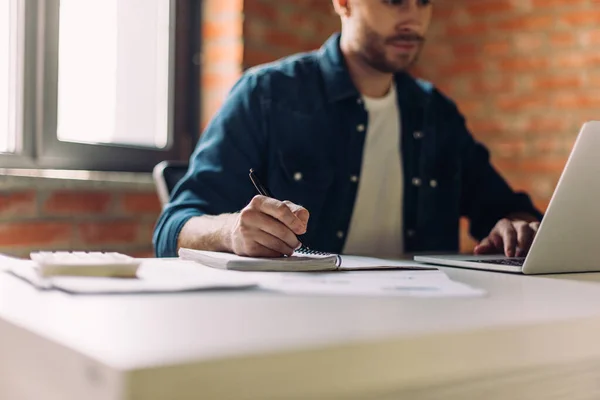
x=296, y=263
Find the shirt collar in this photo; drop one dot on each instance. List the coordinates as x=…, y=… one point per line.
x=339, y=85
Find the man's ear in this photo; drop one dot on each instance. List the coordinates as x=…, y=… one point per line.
x=342, y=7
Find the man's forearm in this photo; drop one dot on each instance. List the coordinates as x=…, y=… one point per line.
x=211, y=233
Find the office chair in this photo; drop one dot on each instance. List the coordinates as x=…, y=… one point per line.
x=166, y=174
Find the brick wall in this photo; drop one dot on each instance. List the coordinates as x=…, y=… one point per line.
x=525, y=73
x=38, y=216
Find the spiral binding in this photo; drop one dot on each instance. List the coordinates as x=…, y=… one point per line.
x=309, y=252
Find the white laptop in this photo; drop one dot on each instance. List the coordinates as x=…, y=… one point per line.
x=568, y=239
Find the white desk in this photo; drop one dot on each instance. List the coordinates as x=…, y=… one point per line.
x=531, y=337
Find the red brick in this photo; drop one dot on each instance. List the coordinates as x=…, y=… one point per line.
x=553, y=4
x=516, y=103
x=254, y=57
x=579, y=60
x=550, y=83
x=490, y=83
x=470, y=29
x=509, y=148
x=528, y=43
x=546, y=124
x=579, y=19
x=526, y=23
x=35, y=233
x=221, y=30
x=486, y=126
x=284, y=39
x=140, y=203
x=470, y=107
x=462, y=67
x=496, y=48
x=13, y=204
x=212, y=8
x=145, y=233
x=573, y=101
x=441, y=12
x=109, y=232
x=219, y=80
x=72, y=202
x=523, y=64
x=224, y=53
x=260, y=9
x=594, y=80
x=326, y=28
x=149, y=253
x=563, y=39
x=594, y=36
x=490, y=7
x=465, y=50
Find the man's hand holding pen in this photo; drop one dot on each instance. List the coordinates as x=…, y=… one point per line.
x=268, y=228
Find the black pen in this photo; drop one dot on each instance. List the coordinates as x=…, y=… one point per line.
x=262, y=190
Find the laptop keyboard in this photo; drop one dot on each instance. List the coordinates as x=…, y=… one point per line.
x=513, y=262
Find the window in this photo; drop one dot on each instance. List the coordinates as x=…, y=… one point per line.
x=10, y=74
x=87, y=84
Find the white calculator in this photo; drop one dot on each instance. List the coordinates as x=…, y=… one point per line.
x=79, y=263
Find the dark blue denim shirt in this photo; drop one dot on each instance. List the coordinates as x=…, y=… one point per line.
x=300, y=123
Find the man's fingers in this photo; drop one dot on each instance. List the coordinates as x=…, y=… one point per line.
x=509, y=237
x=270, y=225
x=490, y=245
x=525, y=235
x=535, y=226
x=279, y=211
x=256, y=220
x=255, y=249
x=300, y=212
x=485, y=247
x=272, y=243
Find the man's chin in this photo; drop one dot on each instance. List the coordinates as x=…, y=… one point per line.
x=400, y=65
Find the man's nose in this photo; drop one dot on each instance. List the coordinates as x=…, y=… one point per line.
x=409, y=16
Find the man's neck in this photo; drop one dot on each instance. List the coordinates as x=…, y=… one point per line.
x=368, y=81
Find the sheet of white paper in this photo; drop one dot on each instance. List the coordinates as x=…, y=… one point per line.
x=380, y=283
x=153, y=277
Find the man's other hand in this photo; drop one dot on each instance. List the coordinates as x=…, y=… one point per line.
x=511, y=237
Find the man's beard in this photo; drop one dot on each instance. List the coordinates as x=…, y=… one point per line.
x=375, y=56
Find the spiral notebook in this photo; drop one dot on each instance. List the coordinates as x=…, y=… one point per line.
x=302, y=260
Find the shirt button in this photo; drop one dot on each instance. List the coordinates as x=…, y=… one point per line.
x=298, y=176
x=416, y=181
x=354, y=178
x=360, y=128
x=359, y=101
x=340, y=234
x=433, y=183
x=418, y=135
x=411, y=233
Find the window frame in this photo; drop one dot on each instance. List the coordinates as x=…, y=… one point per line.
x=39, y=145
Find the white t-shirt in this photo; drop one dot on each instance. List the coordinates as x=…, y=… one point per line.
x=376, y=225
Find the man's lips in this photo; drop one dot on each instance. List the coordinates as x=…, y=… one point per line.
x=404, y=44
